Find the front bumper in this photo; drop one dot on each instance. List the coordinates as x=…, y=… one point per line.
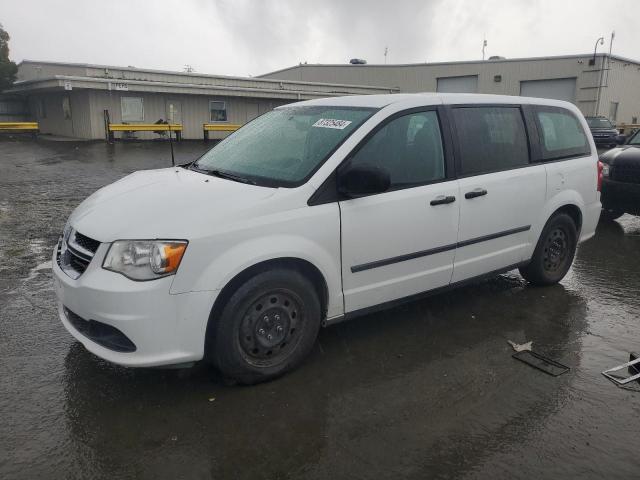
x=621, y=196
x=605, y=139
x=165, y=328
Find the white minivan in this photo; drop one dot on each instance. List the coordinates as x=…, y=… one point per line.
x=320, y=211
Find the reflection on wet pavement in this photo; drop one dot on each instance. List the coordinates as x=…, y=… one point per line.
x=427, y=390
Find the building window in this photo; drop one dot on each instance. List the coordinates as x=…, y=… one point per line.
x=491, y=139
x=41, y=108
x=217, y=111
x=613, y=111
x=132, y=109
x=66, y=108
x=634, y=119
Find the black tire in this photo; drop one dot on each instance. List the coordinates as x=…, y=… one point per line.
x=610, y=214
x=267, y=327
x=554, y=251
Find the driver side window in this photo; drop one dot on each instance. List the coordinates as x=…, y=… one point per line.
x=409, y=148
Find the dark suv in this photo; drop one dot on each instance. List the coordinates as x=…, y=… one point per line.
x=621, y=179
x=603, y=132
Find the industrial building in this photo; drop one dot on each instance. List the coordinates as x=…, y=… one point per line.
x=75, y=100
x=79, y=100
x=606, y=85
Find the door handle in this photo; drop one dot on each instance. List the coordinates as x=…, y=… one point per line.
x=478, y=192
x=442, y=200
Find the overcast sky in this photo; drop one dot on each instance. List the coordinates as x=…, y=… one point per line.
x=251, y=37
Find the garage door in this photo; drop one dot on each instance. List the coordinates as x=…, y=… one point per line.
x=467, y=84
x=558, y=89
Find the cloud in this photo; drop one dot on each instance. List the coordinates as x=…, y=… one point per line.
x=250, y=37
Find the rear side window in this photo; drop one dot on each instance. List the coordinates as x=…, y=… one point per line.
x=561, y=134
x=490, y=139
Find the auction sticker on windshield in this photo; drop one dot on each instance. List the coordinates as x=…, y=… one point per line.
x=332, y=123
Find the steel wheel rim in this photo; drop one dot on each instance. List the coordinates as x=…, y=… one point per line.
x=271, y=327
x=556, y=250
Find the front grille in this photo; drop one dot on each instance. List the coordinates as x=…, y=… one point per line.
x=87, y=243
x=75, y=253
x=626, y=172
x=101, y=333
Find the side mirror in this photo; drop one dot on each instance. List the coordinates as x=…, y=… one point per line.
x=360, y=180
x=621, y=139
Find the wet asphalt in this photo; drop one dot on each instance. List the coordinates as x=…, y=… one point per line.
x=427, y=390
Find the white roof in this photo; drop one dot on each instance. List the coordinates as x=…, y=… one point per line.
x=428, y=98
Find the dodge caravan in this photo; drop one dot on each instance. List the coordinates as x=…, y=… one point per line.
x=320, y=211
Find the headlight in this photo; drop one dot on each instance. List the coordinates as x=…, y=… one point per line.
x=66, y=232
x=605, y=169
x=145, y=259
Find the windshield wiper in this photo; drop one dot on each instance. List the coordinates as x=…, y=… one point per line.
x=229, y=176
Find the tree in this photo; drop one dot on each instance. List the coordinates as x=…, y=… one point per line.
x=8, y=69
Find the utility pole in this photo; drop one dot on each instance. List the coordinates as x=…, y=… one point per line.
x=484, y=45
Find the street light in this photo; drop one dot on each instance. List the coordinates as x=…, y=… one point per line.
x=601, y=42
x=593, y=62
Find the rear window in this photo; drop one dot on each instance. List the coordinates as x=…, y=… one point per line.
x=561, y=134
x=598, y=122
x=490, y=139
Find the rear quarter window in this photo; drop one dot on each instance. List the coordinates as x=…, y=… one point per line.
x=561, y=134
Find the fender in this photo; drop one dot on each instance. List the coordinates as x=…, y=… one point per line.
x=269, y=248
x=561, y=199
x=311, y=234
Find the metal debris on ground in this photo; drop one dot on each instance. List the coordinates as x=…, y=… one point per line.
x=632, y=367
x=541, y=362
x=520, y=347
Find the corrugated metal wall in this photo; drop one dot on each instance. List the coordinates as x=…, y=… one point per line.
x=621, y=85
x=51, y=117
x=494, y=77
x=194, y=110
x=36, y=70
x=47, y=111
x=13, y=109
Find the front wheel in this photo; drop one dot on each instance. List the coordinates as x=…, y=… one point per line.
x=267, y=327
x=554, y=252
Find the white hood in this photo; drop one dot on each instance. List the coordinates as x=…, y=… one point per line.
x=171, y=203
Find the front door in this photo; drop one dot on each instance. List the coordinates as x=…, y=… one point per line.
x=401, y=242
x=501, y=192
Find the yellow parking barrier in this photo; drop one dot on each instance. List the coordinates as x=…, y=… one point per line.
x=145, y=127
x=19, y=126
x=218, y=127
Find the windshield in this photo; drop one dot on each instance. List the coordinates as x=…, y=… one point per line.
x=285, y=146
x=635, y=139
x=596, y=122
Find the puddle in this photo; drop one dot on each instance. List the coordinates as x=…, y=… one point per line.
x=33, y=273
x=38, y=246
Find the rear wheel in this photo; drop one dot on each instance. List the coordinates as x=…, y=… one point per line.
x=267, y=327
x=554, y=252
